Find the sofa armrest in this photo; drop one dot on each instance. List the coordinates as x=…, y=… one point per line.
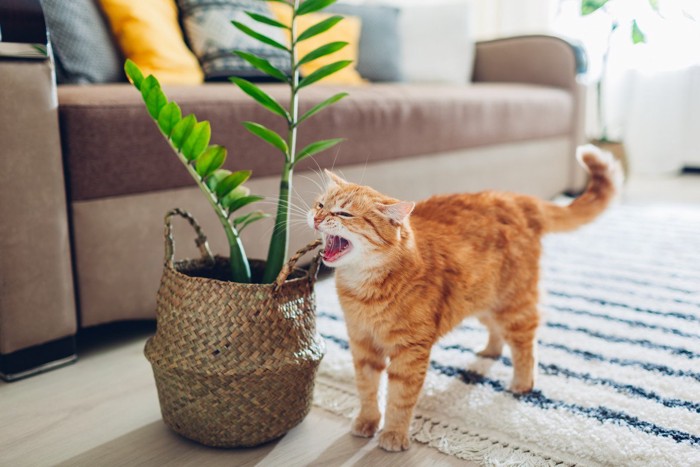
x=543, y=60
x=38, y=317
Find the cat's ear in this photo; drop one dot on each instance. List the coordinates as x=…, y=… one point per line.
x=333, y=179
x=397, y=212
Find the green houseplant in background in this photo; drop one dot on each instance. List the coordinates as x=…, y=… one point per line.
x=637, y=36
x=223, y=189
x=234, y=361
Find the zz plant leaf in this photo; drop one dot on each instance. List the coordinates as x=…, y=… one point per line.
x=245, y=220
x=169, y=116
x=322, y=51
x=256, y=35
x=268, y=136
x=210, y=160
x=261, y=96
x=310, y=6
x=319, y=28
x=323, y=72
x=182, y=130
x=231, y=182
x=265, y=20
x=196, y=141
x=315, y=148
x=264, y=66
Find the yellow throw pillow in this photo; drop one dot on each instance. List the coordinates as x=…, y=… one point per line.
x=148, y=33
x=348, y=30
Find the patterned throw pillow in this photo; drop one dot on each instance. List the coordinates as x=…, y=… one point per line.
x=83, y=47
x=212, y=37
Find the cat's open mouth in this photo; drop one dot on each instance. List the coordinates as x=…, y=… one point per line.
x=335, y=248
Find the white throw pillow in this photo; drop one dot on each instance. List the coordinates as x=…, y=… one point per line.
x=436, y=43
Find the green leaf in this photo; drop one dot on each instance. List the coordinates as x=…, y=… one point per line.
x=197, y=141
x=232, y=182
x=168, y=117
x=322, y=51
x=215, y=178
x=319, y=27
x=318, y=107
x=267, y=135
x=323, y=72
x=240, y=192
x=654, y=4
x=243, y=221
x=591, y=6
x=637, y=34
x=210, y=160
x=261, y=96
x=147, y=85
x=182, y=130
x=155, y=101
x=266, y=20
x=309, y=6
x=262, y=65
x=244, y=201
x=256, y=35
x=315, y=148
x=134, y=73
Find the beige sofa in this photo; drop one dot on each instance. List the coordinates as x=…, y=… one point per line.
x=85, y=178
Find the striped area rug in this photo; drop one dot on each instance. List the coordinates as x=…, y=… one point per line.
x=619, y=356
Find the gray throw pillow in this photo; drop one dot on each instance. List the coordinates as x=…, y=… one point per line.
x=380, y=40
x=212, y=37
x=83, y=47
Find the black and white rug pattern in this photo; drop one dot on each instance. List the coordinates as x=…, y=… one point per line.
x=619, y=356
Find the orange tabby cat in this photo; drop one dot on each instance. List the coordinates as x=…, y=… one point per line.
x=408, y=273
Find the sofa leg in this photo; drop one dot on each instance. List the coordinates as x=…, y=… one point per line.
x=37, y=359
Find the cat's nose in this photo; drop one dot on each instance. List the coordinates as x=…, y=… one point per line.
x=317, y=222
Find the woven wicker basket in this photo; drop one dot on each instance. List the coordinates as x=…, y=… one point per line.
x=234, y=363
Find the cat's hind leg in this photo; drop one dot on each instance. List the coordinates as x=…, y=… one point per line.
x=520, y=333
x=494, y=347
x=369, y=364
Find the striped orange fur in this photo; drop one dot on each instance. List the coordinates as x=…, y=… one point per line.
x=408, y=273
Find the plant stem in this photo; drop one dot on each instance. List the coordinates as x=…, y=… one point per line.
x=240, y=268
x=279, y=243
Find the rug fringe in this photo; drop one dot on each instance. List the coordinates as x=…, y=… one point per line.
x=446, y=438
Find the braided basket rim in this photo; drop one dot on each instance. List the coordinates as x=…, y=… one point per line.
x=289, y=282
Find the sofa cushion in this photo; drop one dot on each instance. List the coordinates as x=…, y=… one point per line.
x=149, y=34
x=380, y=43
x=111, y=147
x=207, y=24
x=82, y=43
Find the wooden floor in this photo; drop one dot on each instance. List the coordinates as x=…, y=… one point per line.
x=103, y=410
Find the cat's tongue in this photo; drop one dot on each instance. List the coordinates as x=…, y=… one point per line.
x=335, y=248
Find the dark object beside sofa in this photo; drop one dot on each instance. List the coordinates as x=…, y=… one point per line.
x=85, y=179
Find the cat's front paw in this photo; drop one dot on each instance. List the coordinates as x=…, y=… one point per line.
x=394, y=441
x=489, y=353
x=364, y=427
x=521, y=387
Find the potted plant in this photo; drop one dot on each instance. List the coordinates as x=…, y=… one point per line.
x=637, y=36
x=236, y=349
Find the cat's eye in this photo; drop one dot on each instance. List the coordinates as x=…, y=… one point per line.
x=319, y=205
x=343, y=214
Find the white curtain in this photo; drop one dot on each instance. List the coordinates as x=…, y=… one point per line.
x=501, y=18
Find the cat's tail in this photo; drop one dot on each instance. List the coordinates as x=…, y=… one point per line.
x=606, y=178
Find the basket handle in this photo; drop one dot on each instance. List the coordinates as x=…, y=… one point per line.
x=200, y=241
x=289, y=267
